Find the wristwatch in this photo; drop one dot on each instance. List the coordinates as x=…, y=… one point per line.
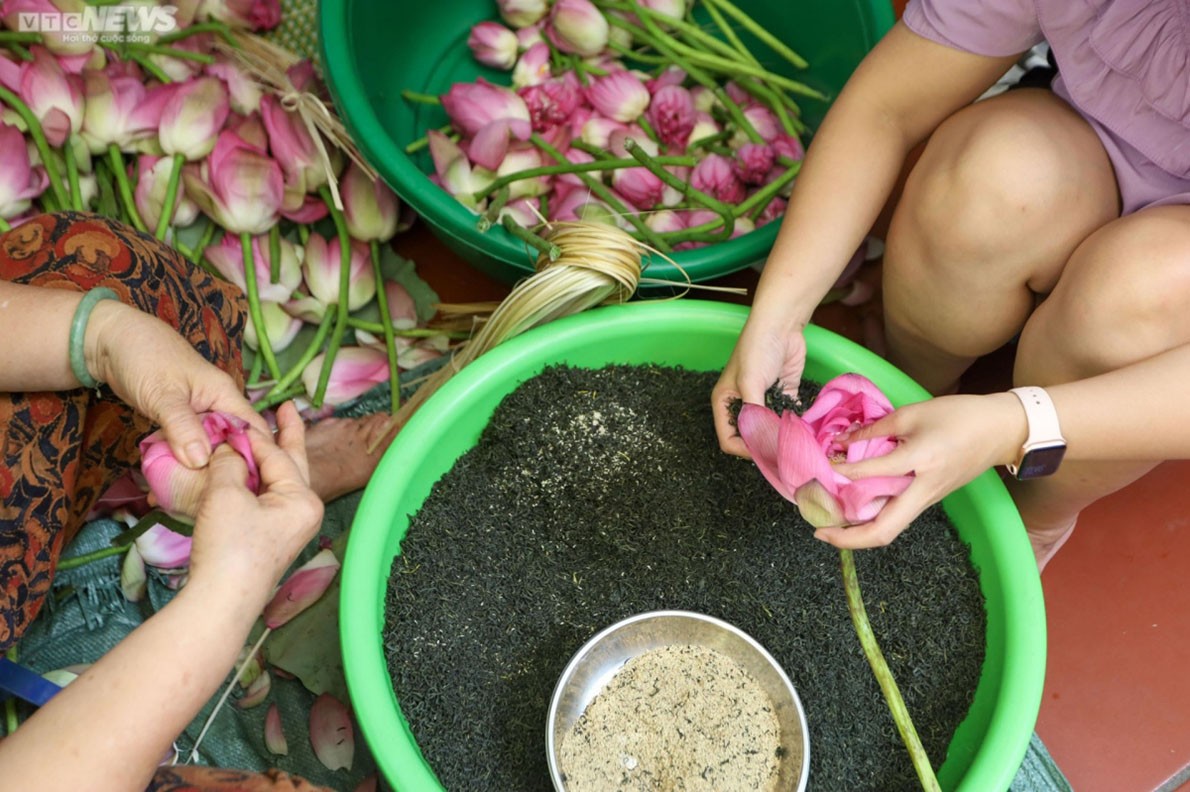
x=1044, y=448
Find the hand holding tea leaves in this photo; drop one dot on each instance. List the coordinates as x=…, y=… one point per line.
x=798, y=454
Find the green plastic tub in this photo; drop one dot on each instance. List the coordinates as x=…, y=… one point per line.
x=989, y=745
x=374, y=49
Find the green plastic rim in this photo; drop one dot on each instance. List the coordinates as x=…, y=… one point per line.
x=374, y=50
x=990, y=744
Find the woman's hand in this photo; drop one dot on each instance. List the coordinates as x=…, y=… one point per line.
x=155, y=370
x=945, y=443
x=767, y=352
x=253, y=538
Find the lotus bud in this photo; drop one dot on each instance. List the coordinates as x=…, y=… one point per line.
x=307, y=308
x=640, y=186
x=763, y=120
x=577, y=26
x=151, y=187
x=228, y=258
x=453, y=171
x=303, y=587
x=54, y=97
x=280, y=327
x=521, y=13
x=529, y=36
x=774, y=210
x=621, y=96
x=162, y=548
x=493, y=45
x=371, y=209
x=274, y=735
x=704, y=127
x=177, y=487
x=671, y=8
x=754, y=161
x=715, y=176
x=355, y=371
x=322, y=266
x=120, y=110
x=553, y=102
x=672, y=75
x=192, y=118
x=672, y=116
x=238, y=186
x=519, y=160
x=473, y=106
x=533, y=67
x=20, y=182
x=597, y=131
x=785, y=145
x=331, y=733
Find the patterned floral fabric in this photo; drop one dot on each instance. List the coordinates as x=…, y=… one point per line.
x=60, y=451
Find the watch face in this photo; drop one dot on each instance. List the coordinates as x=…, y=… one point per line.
x=1041, y=461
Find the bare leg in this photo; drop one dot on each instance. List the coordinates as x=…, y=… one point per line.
x=338, y=452
x=1004, y=192
x=1121, y=298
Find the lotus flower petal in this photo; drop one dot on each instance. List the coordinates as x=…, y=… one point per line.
x=274, y=734
x=302, y=589
x=818, y=506
x=172, y=483
x=257, y=692
x=133, y=580
x=862, y=499
x=331, y=733
x=759, y=427
x=162, y=548
x=355, y=371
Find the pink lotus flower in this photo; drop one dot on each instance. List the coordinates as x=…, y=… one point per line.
x=119, y=110
x=525, y=211
x=171, y=482
x=322, y=266
x=162, y=548
x=453, y=171
x=671, y=113
x=331, y=733
x=521, y=13
x=620, y=95
x=355, y=371
x=764, y=121
x=371, y=209
x=291, y=145
x=598, y=131
x=672, y=75
x=54, y=96
x=795, y=453
x=785, y=145
x=301, y=589
x=243, y=14
x=520, y=159
x=238, y=186
x=533, y=67
x=529, y=36
x=492, y=116
x=715, y=176
x=243, y=92
x=640, y=186
x=279, y=326
x=553, y=102
x=665, y=221
x=193, y=116
x=577, y=26
x=493, y=45
x=152, y=183
x=228, y=258
x=754, y=161
x=20, y=182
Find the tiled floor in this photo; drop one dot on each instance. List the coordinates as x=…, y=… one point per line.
x=1116, y=708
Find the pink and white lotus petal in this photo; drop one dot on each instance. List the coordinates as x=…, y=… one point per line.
x=238, y=186
x=522, y=13
x=172, y=483
x=228, y=258
x=331, y=733
x=133, y=579
x=192, y=117
x=151, y=187
x=20, y=182
x=292, y=145
x=759, y=427
x=120, y=110
x=577, y=27
x=53, y=96
x=243, y=92
x=274, y=734
x=533, y=67
x=818, y=506
x=493, y=45
x=323, y=265
x=620, y=96
x=301, y=589
x=280, y=327
x=472, y=106
x=863, y=499
x=355, y=371
x=256, y=692
x=401, y=307
x=162, y=548
x=372, y=210
x=242, y=14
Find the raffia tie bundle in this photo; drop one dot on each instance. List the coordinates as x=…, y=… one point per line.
x=598, y=265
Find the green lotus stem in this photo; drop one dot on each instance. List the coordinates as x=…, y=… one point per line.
x=729, y=33
x=273, y=399
x=282, y=384
x=218, y=28
x=19, y=37
x=262, y=335
x=606, y=196
x=390, y=343
x=647, y=128
x=533, y=240
x=303, y=234
x=21, y=51
x=171, y=52
x=769, y=191
x=171, y=196
x=420, y=98
x=772, y=99
x=737, y=68
x=87, y=558
x=753, y=27
x=121, y=174
x=153, y=69
x=492, y=214
x=377, y=328
x=72, y=178
x=11, y=721
x=685, y=188
x=253, y=380
x=710, y=140
x=107, y=204
x=566, y=166
x=43, y=146
x=417, y=145
x=888, y=685
x=636, y=55
x=275, y=254
x=204, y=241
x=340, y=327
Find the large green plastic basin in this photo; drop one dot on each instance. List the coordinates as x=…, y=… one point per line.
x=374, y=49
x=990, y=744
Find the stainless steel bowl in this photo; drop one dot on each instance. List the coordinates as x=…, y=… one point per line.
x=593, y=666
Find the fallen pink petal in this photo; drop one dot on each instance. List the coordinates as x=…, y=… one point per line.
x=162, y=548
x=257, y=692
x=331, y=733
x=274, y=734
x=302, y=589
